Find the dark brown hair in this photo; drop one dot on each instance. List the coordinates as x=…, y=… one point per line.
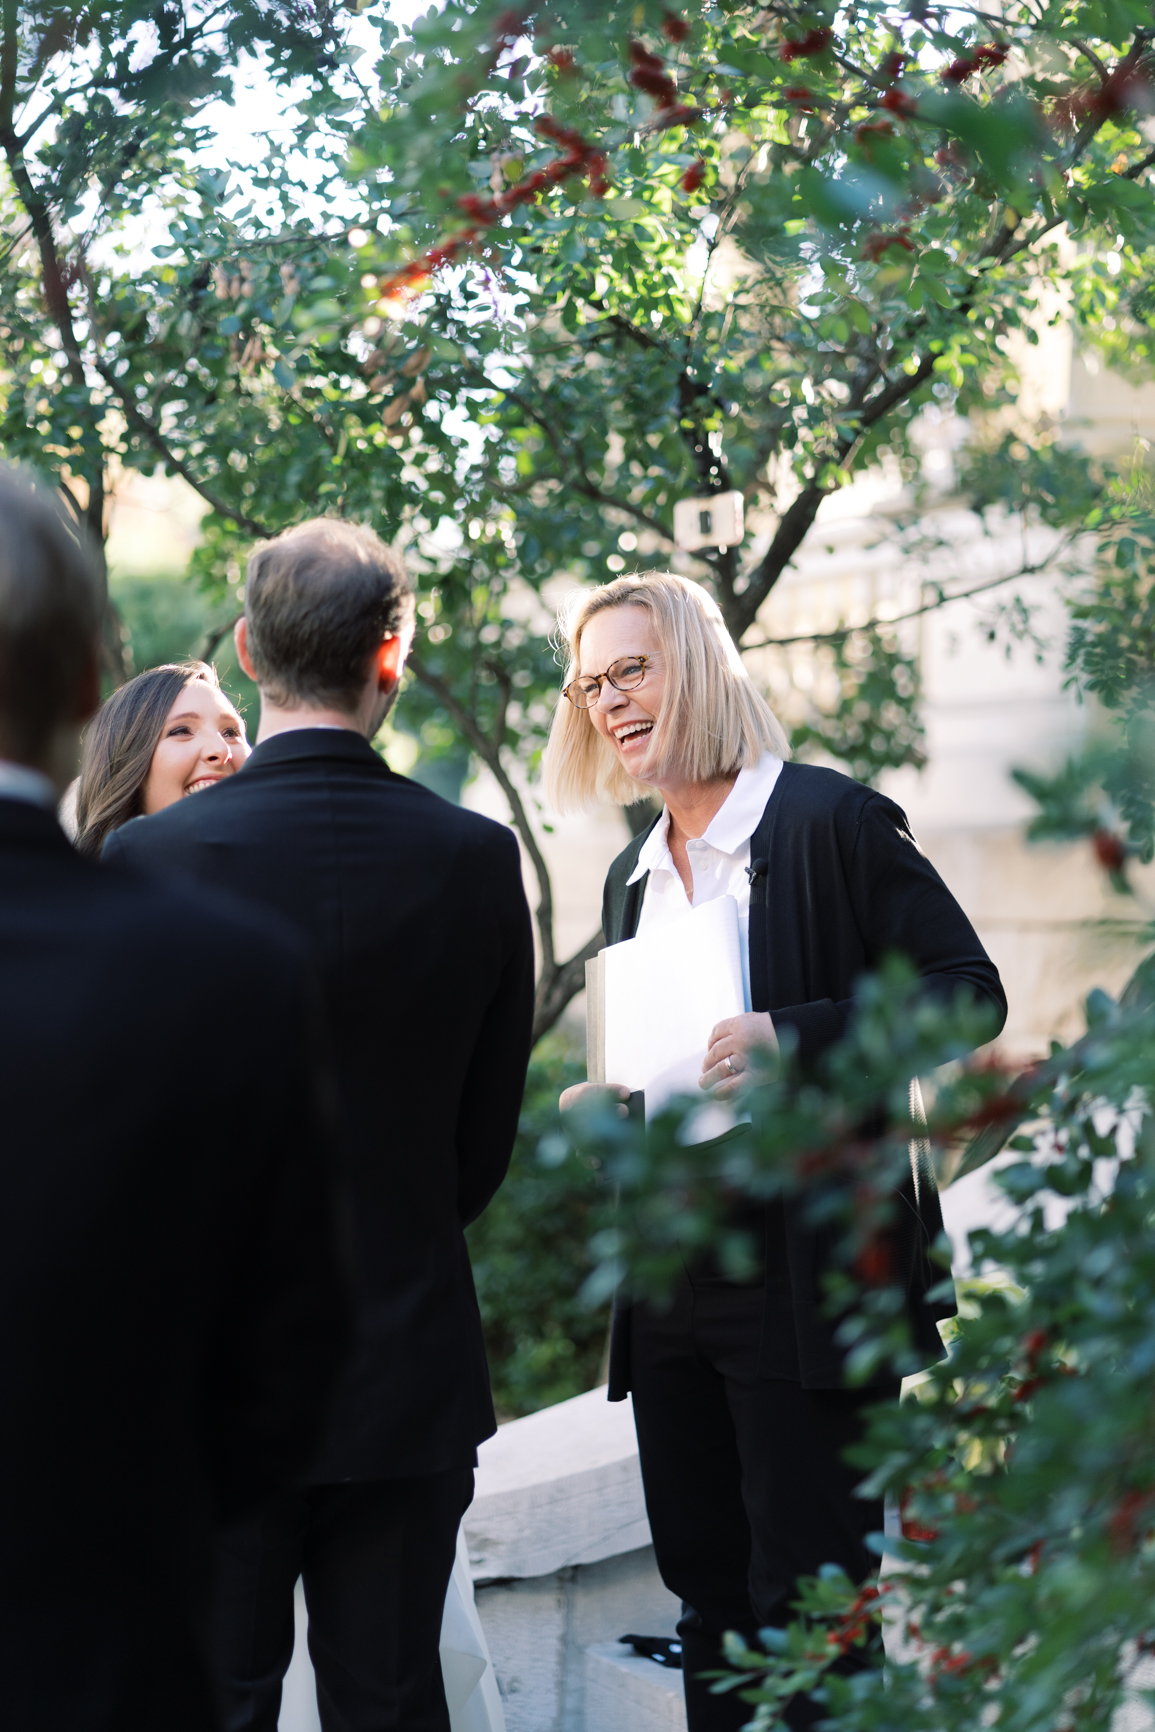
x=318, y=601
x=118, y=746
x=50, y=604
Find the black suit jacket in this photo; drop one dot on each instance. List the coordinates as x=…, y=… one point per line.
x=170, y=1308
x=846, y=885
x=415, y=916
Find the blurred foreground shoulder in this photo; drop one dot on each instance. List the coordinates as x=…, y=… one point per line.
x=217, y=936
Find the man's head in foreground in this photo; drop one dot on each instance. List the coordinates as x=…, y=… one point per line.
x=50, y=605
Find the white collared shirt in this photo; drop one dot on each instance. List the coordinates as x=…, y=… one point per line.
x=718, y=858
x=18, y=782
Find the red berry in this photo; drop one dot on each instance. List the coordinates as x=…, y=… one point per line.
x=655, y=84
x=1110, y=850
x=814, y=42
x=875, y=245
x=960, y=70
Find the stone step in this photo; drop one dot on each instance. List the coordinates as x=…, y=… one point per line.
x=625, y=1693
x=562, y=1486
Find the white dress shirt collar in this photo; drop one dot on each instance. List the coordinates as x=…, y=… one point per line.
x=729, y=829
x=18, y=782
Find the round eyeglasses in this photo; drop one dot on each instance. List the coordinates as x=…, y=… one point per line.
x=625, y=675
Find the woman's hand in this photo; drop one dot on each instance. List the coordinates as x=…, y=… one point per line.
x=736, y=1044
x=583, y=1094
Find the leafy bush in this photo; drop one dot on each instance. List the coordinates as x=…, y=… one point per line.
x=165, y=619
x=1024, y=1465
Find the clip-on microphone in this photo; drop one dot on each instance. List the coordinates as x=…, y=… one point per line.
x=756, y=869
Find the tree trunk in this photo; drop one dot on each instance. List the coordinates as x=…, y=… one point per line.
x=558, y=982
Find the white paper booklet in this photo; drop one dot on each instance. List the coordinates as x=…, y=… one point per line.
x=663, y=993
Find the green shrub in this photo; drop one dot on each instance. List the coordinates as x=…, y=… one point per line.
x=166, y=619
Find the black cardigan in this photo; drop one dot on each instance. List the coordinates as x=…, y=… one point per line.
x=845, y=885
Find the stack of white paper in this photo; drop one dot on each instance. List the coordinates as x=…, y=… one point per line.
x=663, y=993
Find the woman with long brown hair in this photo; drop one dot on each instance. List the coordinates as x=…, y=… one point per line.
x=167, y=733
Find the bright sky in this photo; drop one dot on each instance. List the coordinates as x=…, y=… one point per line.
x=258, y=109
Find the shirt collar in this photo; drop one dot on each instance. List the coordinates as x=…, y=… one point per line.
x=322, y=742
x=729, y=829
x=741, y=811
x=18, y=782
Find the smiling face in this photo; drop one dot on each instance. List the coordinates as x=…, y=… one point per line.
x=626, y=719
x=202, y=741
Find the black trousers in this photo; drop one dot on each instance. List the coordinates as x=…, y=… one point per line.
x=376, y=1560
x=745, y=1486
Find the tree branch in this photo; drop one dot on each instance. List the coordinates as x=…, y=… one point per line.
x=491, y=757
x=213, y=639
x=626, y=328
x=796, y=522
x=1031, y=569
x=52, y=277
x=9, y=60
x=73, y=503
x=690, y=391
x=1137, y=168
x=1007, y=251
x=142, y=424
x=799, y=518
x=1089, y=54
x=567, y=982
x=583, y=484
x=505, y=689
x=557, y=983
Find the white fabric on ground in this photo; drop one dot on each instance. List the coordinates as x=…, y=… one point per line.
x=470, y=1681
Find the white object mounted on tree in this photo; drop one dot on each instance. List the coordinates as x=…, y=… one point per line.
x=714, y=520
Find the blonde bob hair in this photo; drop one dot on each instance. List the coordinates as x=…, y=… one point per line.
x=712, y=720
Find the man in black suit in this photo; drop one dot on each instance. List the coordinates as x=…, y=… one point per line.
x=416, y=919
x=170, y=1310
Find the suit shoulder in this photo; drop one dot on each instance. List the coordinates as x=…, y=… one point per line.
x=469, y=829
x=132, y=838
x=816, y=788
